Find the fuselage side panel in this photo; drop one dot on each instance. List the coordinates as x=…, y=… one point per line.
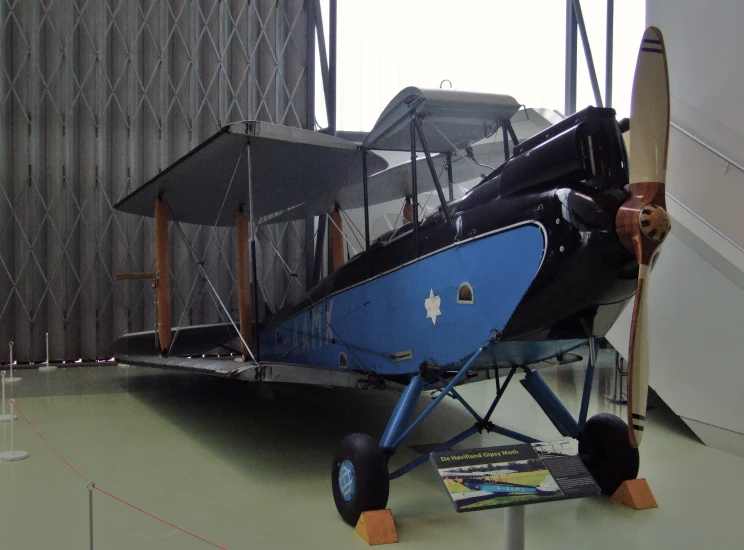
x=439, y=308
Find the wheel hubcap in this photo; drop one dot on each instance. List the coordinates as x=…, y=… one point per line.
x=347, y=480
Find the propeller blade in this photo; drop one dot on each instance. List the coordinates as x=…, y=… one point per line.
x=649, y=111
x=642, y=222
x=638, y=360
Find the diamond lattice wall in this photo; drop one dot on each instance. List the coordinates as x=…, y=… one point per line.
x=96, y=97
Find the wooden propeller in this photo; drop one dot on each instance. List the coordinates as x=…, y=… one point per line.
x=642, y=221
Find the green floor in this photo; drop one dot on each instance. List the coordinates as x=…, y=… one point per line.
x=247, y=466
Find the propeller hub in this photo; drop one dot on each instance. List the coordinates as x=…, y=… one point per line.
x=654, y=222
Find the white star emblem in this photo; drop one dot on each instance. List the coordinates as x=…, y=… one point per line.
x=432, y=304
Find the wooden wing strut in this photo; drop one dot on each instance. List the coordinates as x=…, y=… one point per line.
x=244, y=282
x=163, y=271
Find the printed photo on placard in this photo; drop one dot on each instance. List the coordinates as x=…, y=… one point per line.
x=513, y=475
x=493, y=485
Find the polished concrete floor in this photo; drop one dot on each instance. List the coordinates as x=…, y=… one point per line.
x=248, y=466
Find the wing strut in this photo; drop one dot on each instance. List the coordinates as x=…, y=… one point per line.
x=414, y=189
x=254, y=226
x=318, y=263
x=163, y=275
x=415, y=122
x=337, y=239
x=244, y=282
x=449, y=177
x=365, y=190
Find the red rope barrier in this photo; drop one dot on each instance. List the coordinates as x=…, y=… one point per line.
x=45, y=440
x=97, y=488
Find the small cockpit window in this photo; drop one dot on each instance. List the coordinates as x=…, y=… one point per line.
x=342, y=361
x=465, y=294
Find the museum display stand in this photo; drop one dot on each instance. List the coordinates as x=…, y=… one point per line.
x=512, y=477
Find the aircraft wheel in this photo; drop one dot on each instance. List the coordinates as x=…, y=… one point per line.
x=612, y=459
x=359, y=477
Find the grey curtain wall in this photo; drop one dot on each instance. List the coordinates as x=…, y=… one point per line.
x=96, y=97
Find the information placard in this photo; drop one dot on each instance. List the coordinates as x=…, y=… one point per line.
x=514, y=475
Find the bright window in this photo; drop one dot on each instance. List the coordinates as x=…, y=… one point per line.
x=515, y=48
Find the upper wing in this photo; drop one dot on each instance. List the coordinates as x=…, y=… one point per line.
x=451, y=119
x=296, y=173
x=289, y=167
x=395, y=182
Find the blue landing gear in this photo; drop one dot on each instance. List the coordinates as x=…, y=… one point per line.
x=359, y=477
x=360, y=473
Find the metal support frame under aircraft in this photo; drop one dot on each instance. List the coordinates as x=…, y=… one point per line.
x=538, y=257
x=400, y=425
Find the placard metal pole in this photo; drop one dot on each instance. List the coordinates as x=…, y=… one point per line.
x=514, y=519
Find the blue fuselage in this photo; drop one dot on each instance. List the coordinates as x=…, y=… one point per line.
x=393, y=322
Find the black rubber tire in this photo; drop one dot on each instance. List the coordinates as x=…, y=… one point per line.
x=370, y=473
x=611, y=459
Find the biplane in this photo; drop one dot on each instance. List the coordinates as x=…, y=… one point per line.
x=496, y=488
x=537, y=258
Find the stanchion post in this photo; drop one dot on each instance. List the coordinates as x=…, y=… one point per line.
x=10, y=416
x=47, y=367
x=514, y=517
x=12, y=378
x=90, y=485
x=12, y=434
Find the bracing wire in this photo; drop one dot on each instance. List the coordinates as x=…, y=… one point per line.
x=472, y=160
x=206, y=248
x=354, y=231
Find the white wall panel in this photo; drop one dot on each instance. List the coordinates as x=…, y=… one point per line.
x=704, y=44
